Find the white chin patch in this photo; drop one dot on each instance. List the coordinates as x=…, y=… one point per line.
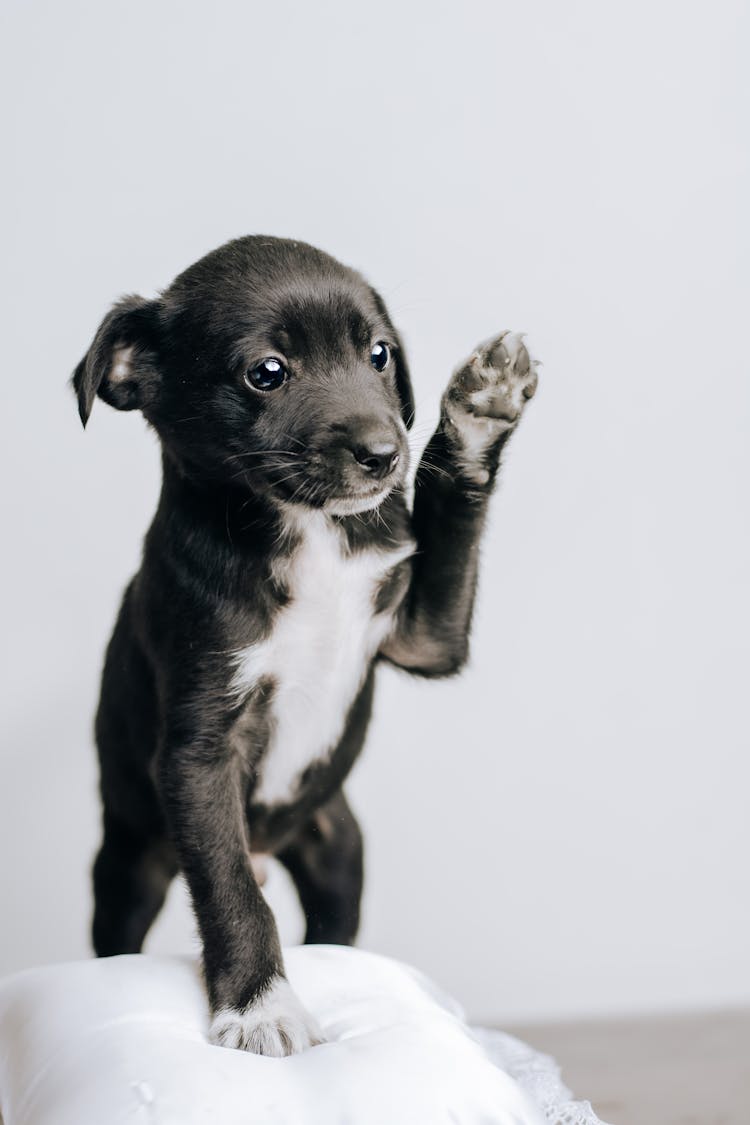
x=354, y=506
x=276, y=1025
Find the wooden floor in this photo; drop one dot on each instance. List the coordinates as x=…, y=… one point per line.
x=662, y=1070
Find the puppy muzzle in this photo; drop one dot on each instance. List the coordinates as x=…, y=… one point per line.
x=359, y=463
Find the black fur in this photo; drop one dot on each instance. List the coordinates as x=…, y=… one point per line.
x=179, y=758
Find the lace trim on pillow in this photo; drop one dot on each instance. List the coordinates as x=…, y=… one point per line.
x=538, y=1076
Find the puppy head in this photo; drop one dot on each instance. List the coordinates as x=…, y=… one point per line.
x=268, y=366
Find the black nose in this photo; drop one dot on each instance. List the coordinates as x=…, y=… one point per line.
x=378, y=458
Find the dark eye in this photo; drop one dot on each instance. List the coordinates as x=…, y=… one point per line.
x=267, y=376
x=379, y=356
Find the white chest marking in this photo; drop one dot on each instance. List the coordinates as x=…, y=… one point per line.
x=317, y=653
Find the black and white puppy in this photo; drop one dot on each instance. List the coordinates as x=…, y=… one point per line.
x=283, y=562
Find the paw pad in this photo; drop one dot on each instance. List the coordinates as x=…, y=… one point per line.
x=486, y=396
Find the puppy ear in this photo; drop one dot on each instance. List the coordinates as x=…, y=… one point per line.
x=403, y=386
x=120, y=366
x=403, y=379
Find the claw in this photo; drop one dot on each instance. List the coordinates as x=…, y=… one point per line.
x=522, y=362
x=497, y=356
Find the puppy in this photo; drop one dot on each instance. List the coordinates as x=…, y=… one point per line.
x=282, y=564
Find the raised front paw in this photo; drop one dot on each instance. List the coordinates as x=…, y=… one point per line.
x=275, y=1024
x=485, y=398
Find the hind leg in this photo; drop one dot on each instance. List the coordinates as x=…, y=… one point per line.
x=136, y=863
x=132, y=873
x=325, y=863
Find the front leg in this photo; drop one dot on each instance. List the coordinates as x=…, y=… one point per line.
x=252, y=1004
x=480, y=410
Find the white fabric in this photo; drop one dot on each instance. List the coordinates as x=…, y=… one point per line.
x=123, y=1040
x=538, y=1075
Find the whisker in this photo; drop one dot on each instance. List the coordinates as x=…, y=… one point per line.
x=270, y=465
x=291, y=437
x=289, y=476
x=260, y=453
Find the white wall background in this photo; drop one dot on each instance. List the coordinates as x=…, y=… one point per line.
x=575, y=808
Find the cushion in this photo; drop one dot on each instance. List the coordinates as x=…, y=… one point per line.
x=124, y=1040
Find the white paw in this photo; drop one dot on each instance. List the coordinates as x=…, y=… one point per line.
x=486, y=396
x=275, y=1024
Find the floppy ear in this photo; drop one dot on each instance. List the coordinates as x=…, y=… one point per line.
x=403, y=379
x=120, y=366
x=403, y=385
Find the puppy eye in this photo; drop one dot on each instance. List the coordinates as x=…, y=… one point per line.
x=267, y=376
x=379, y=356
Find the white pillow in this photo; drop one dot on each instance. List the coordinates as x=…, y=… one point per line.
x=123, y=1040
